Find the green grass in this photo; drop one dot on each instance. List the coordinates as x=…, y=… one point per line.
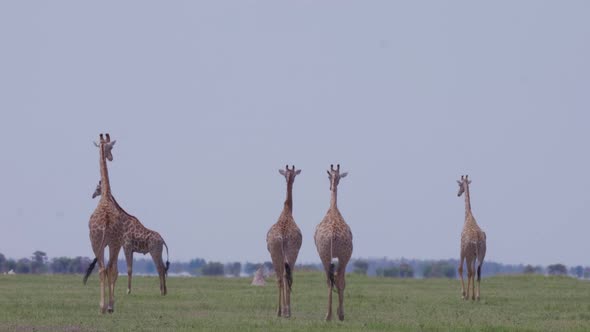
x=511, y=303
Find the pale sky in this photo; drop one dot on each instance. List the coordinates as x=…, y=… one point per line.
x=207, y=100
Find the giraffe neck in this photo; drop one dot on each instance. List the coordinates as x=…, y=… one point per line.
x=467, y=202
x=105, y=187
x=333, y=199
x=289, y=199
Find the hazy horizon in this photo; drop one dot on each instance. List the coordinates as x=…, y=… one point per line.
x=208, y=100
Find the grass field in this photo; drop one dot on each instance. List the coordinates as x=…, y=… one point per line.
x=511, y=303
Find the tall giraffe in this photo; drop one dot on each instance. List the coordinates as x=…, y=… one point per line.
x=283, y=241
x=473, y=244
x=106, y=228
x=139, y=239
x=333, y=239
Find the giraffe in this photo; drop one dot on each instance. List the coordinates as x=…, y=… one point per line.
x=333, y=240
x=139, y=239
x=106, y=228
x=283, y=241
x=473, y=244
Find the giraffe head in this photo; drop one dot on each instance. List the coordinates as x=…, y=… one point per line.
x=334, y=175
x=97, y=190
x=463, y=184
x=107, y=144
x=289, y=174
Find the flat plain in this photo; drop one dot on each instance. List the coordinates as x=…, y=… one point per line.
x=509, y=303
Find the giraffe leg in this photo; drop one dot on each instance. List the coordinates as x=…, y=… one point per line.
x=102, y=276
x=113, y=273
x=473, y=281
x=280, y=285
x=164, y=279
x=129, y=259
x=469, y=274
x=478, y=281
x=286, y=297
x=480, y=257
x=108, y=269
x=102, y=273
x=340, y=284
x=157, y=258
x=162, y=275
x=330, y=290
x=460, y=270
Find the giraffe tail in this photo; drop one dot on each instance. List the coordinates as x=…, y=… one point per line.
x=478, y=262
x=331, y=274
x=483, y=253
x=288, y=270
x=89, y=270
x=167, y=259
x=289, y=275
x=333, y=262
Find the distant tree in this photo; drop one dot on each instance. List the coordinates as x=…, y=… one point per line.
x=406, y=271
x=268, y=266
x=586, y=272
x=234, y=269
x=250, y=268
x=39, y=262
x=557, y=269
x=78, y=265
x=440, y=269
x=23, y=265
x=212, y=269
x=2, y=263
x=146, y=266
x=195, y=264
x=577, y=271
x=391, y=272
x=529, y=269
x=361, y=266
x=11, y=265
x=149, y=266
x=59, y=265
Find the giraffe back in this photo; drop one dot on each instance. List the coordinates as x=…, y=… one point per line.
x=333, y=237
x=140, y=238
x=137, y=237
x=472, y=237
x=106, y=222
x=285, y=234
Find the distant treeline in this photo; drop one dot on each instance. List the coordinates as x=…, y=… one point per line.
x=417, y=268
x=39, y=263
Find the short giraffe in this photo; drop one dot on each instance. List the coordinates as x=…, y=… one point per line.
x=473, y=244
x=283, y=241
x=142, y=240
x=333, y=240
